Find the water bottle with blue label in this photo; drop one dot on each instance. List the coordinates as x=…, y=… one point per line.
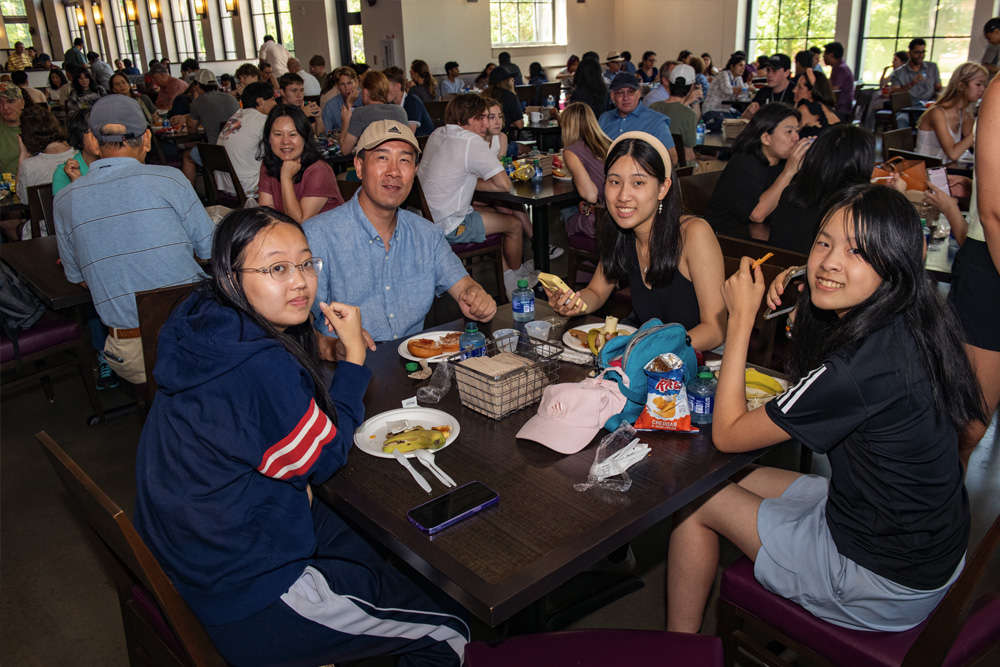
x=550, y=101
x=523, y=302
x=700, y=133
x=538, y=175
x=472, y=343
x=701, y=396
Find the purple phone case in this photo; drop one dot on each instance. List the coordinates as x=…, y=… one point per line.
x=464, y=515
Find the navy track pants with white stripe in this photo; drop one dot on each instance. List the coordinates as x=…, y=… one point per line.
x=348, y=605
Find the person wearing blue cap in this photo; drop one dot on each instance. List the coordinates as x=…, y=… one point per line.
x=629, y=115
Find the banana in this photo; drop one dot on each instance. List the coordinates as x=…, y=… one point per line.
x=762, y=382
x=592, y=337
x=413, y=438
x=610, y=325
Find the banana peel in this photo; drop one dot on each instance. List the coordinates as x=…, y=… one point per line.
x=760, y=384
x=596, y=338
x=416, y=437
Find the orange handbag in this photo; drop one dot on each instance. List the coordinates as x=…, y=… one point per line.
x=913, y=172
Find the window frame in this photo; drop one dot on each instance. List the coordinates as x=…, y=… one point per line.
x=752, y=9
x=185, y=28
x=18, y=19
x=553, y=29
x=228, y=41
x=275, y=14
x=120, y=23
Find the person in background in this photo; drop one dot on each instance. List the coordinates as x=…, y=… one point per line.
x=991, y=56
x=683, y=119
x=945, y=129
x=727, y=85
x=629, y=115
x=817, y=58
x=310, y=84
x=85, y=91
x=120, y=86
x=647, y=70
x=841, y=77
x=424, y=85
x=100, y=71
x=274, y=53
x=267, y=74
x=77, y=127
x=375, y=95
x=814, y=100
x=627, y=65
x=241, y=137
x=130, y=69
x=505, y=61
x=294, y=178
x=536, y=74
x=419, y=120
x=210, y=108
x=45, y=141
x=672, y=261
x=614, y=63
x=188, y=67
x=19, y=60
x=495, y=136
x=11, y=106
x=359, y=68
x=170, y=87
x=74, y=55
x=483, y=79
x=451, y=84
x=567, y=73
x=20, y=79
x=585, y=148
x=349, y=95
x=700, y=80
x=918, y=76
x=226, y=83
x=293, y=93
x=662, y=90
x=501, y=89
x=779, y=87
x=589, y=87
x=245, y=75
x=57, y=81
x=317, y=67
x=710, y=69
x=766, y=156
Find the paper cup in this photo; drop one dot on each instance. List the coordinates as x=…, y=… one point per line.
x=538, y=329
x=510, y=344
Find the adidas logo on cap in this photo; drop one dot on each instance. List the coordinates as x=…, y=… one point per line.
x=393, y=130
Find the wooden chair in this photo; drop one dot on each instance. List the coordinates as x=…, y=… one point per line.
x=899, y=101
x=422, y=141
x=961, y=631
x=679, y=147
x=348, y=188
x=901, y=139
x=552, y=88
x=696, y=191
x=154, y=308
x=436, y=111
x=525, y=94
x=215, y=160
x=160, y=629
x=863, y=99
x=40, y=210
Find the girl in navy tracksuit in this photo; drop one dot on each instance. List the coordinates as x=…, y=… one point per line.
x=242, y=424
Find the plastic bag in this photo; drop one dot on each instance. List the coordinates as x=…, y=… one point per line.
x=438, y=385
x=618, y=451
x=667, y=407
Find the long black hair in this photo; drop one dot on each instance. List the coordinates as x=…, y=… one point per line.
x=889, y=237
x=765, y=121
x=842, y=155
x=310, y=154
x=234, y=235
x=615, y=245
x=588, y=80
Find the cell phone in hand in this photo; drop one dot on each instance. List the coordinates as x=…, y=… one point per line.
x=792, y=281
x=938, y=177
x=450, y=508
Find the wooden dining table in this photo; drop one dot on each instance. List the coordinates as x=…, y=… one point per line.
x=542, y=532
x=37, y=262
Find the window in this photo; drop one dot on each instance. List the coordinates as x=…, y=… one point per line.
x=73, y=22
x=790, y=26
x=273, y=17
x=228, y=40
x=889, y=26
x=350, y=32
x=187, y=30
x=522, y=22
x=15, y=19
x=124, y=31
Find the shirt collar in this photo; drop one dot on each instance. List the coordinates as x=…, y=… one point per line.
x=364, y=224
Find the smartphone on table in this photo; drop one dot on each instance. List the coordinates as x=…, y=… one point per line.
x=448, y=509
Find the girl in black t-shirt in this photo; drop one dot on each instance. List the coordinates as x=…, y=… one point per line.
x=883, y=385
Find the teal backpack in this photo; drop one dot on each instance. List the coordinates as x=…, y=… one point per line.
x=651, y=340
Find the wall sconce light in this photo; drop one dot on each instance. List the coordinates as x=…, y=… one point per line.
x=154, y=10
x=81, y=18
x=130, y=10
x=98, y=17
x=200, y=8
x=233, y=7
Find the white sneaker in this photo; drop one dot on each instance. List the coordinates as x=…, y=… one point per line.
x=555, y=251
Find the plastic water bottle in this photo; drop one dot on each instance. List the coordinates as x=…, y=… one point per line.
x=700, y=133
x=523, y=302
x=472, y=342
x=701, y=396
x=508, y=165
x=537, y=176
x=550, y=101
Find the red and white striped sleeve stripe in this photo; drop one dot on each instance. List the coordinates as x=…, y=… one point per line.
x=295, y=453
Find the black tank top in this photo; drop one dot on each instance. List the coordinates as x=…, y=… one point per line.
x=675, y=302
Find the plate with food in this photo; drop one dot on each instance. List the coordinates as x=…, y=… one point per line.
x=562, y=174
x=591, y=337
x=406, y=430
x=429, y=344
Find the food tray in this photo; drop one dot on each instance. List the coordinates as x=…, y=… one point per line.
x=497, y=396
x=732, y=127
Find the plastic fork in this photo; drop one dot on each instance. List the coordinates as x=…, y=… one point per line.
x=427, y=458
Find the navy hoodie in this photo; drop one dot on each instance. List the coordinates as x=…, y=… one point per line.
x=232, y=440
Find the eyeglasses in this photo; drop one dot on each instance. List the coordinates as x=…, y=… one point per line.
x=284, y=271
x=918, y=53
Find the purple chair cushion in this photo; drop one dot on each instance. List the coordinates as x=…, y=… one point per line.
x=491, y=240
x=583, y=242
x=49, y=331
x=604, y=648
x=146, y=606
x=852, y=647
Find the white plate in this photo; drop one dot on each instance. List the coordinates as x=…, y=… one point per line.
x=568, y=179
x=574, y=344
x=432, y=335
x=376, y=426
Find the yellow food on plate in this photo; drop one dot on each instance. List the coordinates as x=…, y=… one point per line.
x=560, y=173
x=524, y=173
x=416, y=437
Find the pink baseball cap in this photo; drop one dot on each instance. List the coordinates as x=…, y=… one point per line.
x=570, y=415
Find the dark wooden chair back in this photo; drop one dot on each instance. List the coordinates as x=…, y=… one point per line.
x=899, y=101
x=862, y=103
x=436, y=109
x=183, y=640
x=422, y=141
x=154, y=308
x=901, y=139
x=348, y=188
x=679, y=147
x=215, y=159
x=551, y=88
x=696, y=191
x=40, y=209
x=525, y=94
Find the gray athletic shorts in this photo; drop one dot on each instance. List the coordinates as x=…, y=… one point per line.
x=799, y=561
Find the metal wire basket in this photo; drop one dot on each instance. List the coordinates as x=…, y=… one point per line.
x=498, y=395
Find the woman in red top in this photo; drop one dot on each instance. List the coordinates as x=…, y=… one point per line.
x=293, y=177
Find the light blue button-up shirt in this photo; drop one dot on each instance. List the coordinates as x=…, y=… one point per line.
x=394, y=289
x=642, y=119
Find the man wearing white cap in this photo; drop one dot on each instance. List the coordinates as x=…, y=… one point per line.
x=683, y=119
x=387, y=261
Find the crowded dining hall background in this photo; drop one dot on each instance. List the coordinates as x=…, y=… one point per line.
x=446, y=332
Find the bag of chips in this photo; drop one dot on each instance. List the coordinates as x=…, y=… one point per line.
x=666, y=406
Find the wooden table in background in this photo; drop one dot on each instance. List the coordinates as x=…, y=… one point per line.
x=543, y=532
x=36, y=261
